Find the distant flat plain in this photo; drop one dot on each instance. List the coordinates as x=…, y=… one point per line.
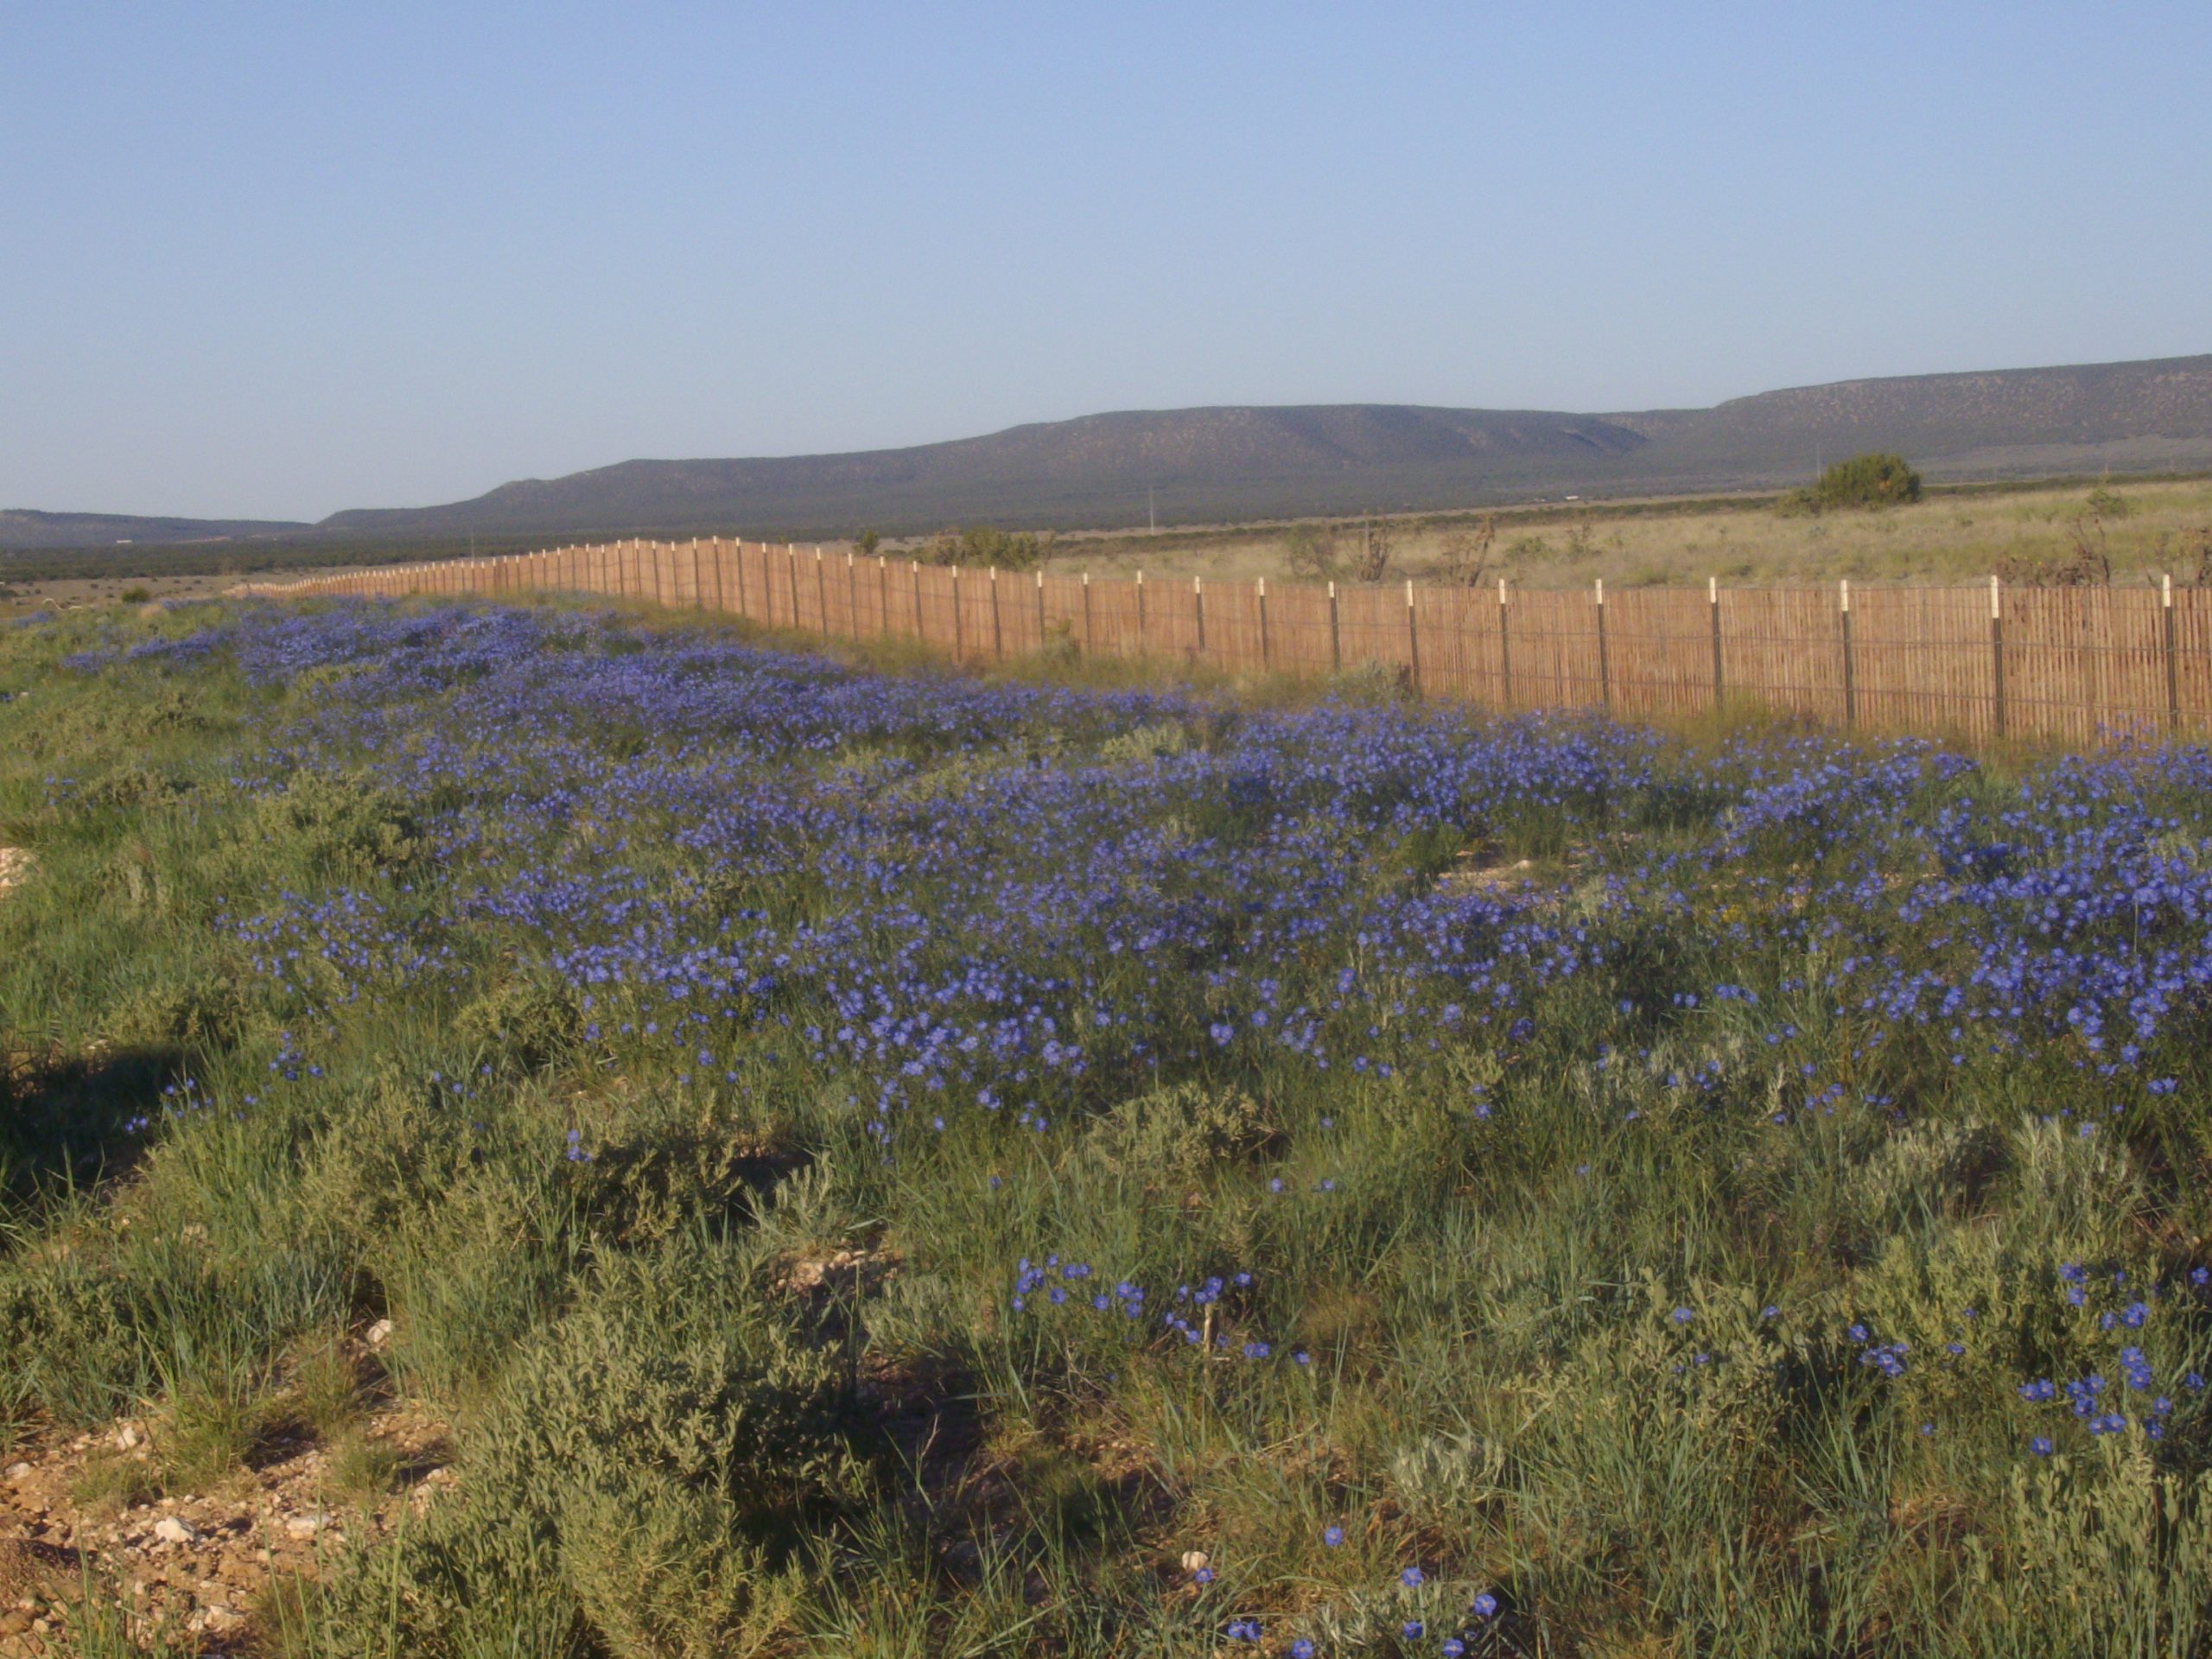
x=2144, y=528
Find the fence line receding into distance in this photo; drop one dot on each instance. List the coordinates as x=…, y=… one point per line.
x=2066, y=664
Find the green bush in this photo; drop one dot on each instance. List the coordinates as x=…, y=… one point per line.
x=1180, y=1134
x=1877, y=478
x=339, y=825
x=641, y=1468
x=522, y=1020
x=985, y=545
x=179, y=1010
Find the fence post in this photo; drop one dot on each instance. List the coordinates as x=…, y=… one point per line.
x=1262, y=585
x=790, y=560
x=852, y=597
x=1713, y=607
x=917, y=599
x=1199, y=613
x=721, y=598
x=1336, y=638
x=1997, y=655
x=959, y=627
x=744, y=607
x=998, y=630
x=1090, y=640
x=2173, y=672
x=1040, y=607
x=1413, y=640
x=821, y=591
x=1850, y=685
x=883, y=596
x=1140, y=644
x=1604, y=665
x=1504, y=651
x=698, y=581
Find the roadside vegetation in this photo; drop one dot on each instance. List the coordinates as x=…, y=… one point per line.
x=2123, y=530
x=890, y=1163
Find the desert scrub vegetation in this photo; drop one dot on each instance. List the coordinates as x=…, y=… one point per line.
x=890, y=1163
x=2139, y=528
x=1877, y=478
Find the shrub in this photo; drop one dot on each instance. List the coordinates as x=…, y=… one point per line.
x=173, y=1011
x=1180, y=1134
x=988, y=545
x=1310, y=551
x=340, y=825
x=1877, y=478
x=521, y=1020
x=128, y=786
x=633, y=1478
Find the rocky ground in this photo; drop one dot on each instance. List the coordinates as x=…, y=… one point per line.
x=190, y=1567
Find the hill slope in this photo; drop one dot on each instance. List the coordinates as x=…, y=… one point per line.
x=1240, y=462
x=1245, y=462
x=1200, y=462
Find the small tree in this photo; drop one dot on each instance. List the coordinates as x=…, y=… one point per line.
x=1877, y=478
x=1309, y=550
x=1377, y=540
x=1466, y=553
x=865, y=543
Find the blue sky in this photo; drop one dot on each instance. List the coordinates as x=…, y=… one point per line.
x=279, y=259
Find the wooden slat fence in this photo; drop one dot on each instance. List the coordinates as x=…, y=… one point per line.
x=2066, y=664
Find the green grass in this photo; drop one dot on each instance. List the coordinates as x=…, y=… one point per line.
x=671, y=1442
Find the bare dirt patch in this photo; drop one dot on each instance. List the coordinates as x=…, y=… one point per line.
x=189, y=1566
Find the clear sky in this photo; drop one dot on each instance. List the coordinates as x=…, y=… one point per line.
x=277, y=259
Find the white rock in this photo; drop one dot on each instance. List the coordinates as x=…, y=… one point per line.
x=380, y=1333
x=170, y=1530
x=307, y=1524
x=17, y=1472
x=127, y=1437
x=1193, y=1560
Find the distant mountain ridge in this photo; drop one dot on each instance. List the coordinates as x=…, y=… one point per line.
x=1235, y=462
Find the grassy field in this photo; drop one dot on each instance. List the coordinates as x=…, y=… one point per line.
x=1958, y=535
x=2139, y=528
x=860, y=1161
